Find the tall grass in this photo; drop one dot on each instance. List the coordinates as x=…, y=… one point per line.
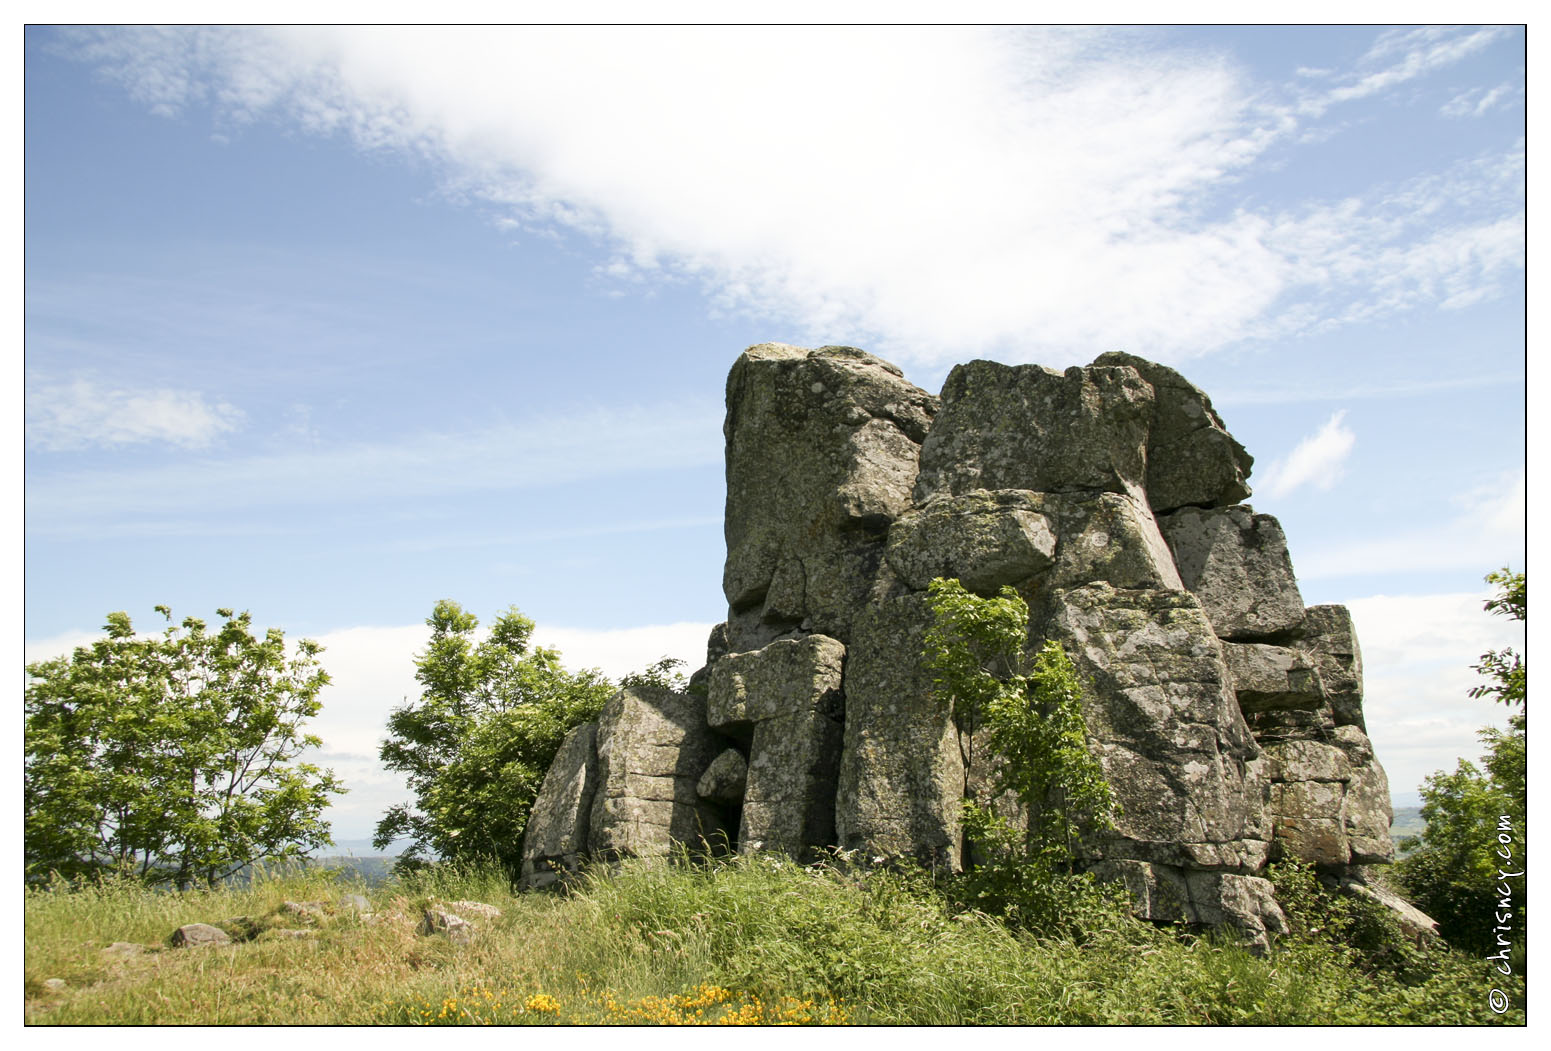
x=748, y=940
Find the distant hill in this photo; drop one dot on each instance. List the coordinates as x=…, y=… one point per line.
x=373, y=871
x=1408, y=822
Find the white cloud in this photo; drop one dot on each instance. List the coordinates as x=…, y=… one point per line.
x=1401, y=55
x=1417, y=658
x=1488, y=530
x=82, y=412
x=1478, y=101
x=930, y=194
x=586, y=444
x=61, y=645
x=1317, y=460
x=620, y=651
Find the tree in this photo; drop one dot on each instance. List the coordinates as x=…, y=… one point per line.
x=171, y=757
x=477, y=744
x=1032, y=717
x=1450, y=871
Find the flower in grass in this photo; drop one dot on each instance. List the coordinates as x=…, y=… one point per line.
x=542, y=1003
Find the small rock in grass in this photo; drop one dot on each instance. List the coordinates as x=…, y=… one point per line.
x=124, y=949
x=440, y=921
x=192, y=934
x=476, y=908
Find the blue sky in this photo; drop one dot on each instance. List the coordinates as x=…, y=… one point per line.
x=329, y=325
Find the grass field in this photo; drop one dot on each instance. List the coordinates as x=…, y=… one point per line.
x=754, y=941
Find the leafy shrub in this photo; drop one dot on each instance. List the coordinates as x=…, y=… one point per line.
x=1031, y=713
x=477, y=744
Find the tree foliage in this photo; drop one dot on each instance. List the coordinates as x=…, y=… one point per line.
x=477, y=744
x=1031, y=715
x=171, y=757
x=1451, y=871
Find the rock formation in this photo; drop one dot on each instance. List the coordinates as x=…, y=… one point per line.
x=1227, y=717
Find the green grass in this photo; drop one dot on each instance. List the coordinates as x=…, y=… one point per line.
x=754, y=940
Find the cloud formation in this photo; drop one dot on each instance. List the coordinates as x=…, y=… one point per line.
x=1488, y=530
x=539, y=451
x=1020, y=193
x=1317, y=460
x=82, y=413
x=1418, y=652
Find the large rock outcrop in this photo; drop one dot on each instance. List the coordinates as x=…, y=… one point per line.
x=822, y=449
x=1227, y=717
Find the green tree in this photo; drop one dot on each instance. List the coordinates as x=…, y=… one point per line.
x=477, y=744
x=171, y=757
x=1452, y=869
x=1031, y=714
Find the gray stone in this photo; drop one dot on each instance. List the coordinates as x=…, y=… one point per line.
x=786, y=701
x=191, y=935
x=1330, y=640
x=55, y=985
x=1191, y=457
x=1030, y=427
x=652, y=746
x=983, y=539
x=789, y=803
x=725, y=779
x=436, y=920
x=1368, y=814
x=1110, y=538
x=1301, y=760
x=123, y=950
x=476, y=909
x=1163, y=723
x=311, y=911
x=1414, y=923
x=560, y=822
x=1273, y=678
x=1168, y=894
x=822, y=451
x=1236, y=563
x=1227, y=718
x=988, y=539
x=901, y=774
x=1309, y=823
x=783, y=678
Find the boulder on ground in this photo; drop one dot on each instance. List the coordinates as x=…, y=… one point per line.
x=652, y=746
x=560, y=822
x=191, y=935
x=436, y=920
x=1170, y=894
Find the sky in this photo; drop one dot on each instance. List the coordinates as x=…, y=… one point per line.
x=330, y=324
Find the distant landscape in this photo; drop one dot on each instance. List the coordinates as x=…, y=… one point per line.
x=1408, y=822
